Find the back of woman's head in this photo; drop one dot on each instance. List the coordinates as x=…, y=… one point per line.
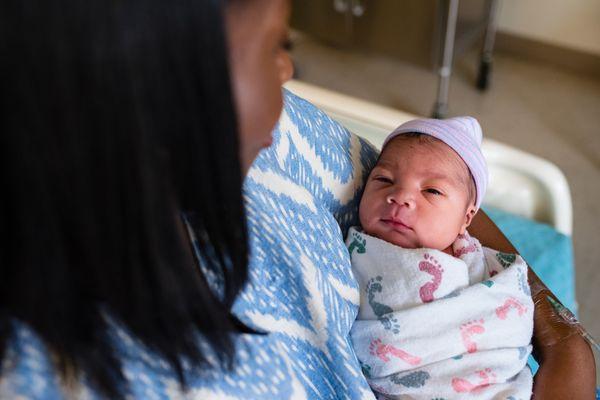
x=114, y=116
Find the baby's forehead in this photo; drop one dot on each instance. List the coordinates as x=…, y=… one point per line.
x=434, y=156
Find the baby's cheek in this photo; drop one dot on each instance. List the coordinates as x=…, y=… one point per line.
x=365, y=212
x=370, y=228
x=438, y=236
x=363, y=223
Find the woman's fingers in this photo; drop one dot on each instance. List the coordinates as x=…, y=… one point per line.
x=549, y=327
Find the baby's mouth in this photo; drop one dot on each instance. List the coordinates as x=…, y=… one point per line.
x=396, y=224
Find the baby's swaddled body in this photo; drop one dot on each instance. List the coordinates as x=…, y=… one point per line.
x=435, y=325
x=440, y=317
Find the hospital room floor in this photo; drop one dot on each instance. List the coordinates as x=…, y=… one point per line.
x=546, y=110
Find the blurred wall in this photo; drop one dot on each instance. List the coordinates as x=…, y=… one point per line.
x=574, y=24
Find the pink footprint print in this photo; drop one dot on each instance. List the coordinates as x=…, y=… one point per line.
x=470, y=329
x=470, y=248
x=380, y=350
x=433, y=268
x=511, y=302
x=485, y=378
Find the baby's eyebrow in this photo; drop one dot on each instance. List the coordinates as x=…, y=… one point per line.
x=379, y=169
x=452, y=179
x=383, y=164
x=439, y=175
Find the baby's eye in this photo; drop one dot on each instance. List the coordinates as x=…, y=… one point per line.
x=433, y=191
x=382, y=179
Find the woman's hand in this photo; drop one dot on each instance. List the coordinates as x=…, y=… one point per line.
x=549, y=328
x=567, y=367
x=567, y=370
x=563, y=354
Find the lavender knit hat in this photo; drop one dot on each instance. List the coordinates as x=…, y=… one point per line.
x=463, y=135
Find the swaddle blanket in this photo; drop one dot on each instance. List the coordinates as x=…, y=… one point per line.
x=431, y=325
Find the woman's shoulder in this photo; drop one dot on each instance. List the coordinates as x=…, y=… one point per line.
x=27, y=368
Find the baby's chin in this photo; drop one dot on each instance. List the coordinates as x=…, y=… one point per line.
x=406, y=242
x=397, y=239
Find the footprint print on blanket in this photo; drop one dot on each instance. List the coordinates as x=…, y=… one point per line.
x=382, y=351
x=433, y=268
x=489, y=283
x=366, y=369
x=358, y=243
x=506, y=259
x=470, y=248
x=382, y=311
x=467, y=332
x=523, y=283
x=454, y=293
x=478, y=381
x=414, y=379
x=510, y=303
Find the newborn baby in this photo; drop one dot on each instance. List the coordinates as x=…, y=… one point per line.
x=439, y=316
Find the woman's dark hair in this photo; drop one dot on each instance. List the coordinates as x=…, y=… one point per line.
x=114, y=116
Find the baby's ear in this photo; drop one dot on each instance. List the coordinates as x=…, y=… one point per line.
x=469, y=214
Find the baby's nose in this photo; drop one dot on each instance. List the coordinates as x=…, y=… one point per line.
x=401, y=197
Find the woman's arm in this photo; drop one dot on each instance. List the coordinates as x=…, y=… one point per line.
x=567, y=367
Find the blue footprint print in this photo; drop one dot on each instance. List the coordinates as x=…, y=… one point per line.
x=489, y=283
x=506, y=259
x=382, y=311
x=415, y=379
x=523, y=284
x=358, y=243
x=454, y=293
x=366, y=369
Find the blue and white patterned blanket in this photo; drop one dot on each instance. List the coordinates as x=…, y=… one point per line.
x=302, y=196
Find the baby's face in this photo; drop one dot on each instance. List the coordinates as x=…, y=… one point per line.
x=417, y=195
